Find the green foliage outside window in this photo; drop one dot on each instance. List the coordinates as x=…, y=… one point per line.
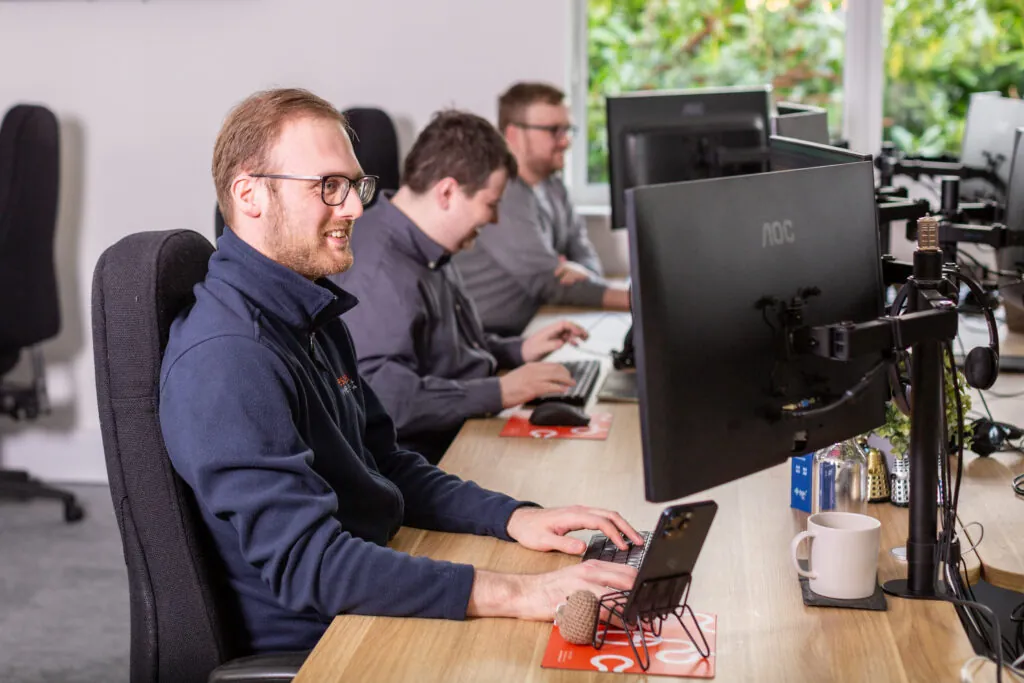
x=796, y=45
x=938, y=53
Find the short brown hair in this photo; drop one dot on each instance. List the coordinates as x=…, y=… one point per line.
x=514, y=101
x=459, y=145
x=251, y=130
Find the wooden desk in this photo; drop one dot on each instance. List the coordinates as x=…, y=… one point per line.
x=744, y=575
x=986, y=495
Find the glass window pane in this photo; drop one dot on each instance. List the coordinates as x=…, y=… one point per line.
x=796, y=45
x=938, y=52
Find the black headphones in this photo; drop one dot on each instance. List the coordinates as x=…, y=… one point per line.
x=988, y=437
x=981, y=367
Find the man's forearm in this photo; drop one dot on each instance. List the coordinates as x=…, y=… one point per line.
x=615, y=298
x=494, y=594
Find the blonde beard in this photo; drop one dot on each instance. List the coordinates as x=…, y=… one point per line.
x=300, y=257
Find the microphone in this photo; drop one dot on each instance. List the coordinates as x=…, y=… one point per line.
x=577, y=617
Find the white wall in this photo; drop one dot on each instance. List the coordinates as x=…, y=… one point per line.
x=141, y=88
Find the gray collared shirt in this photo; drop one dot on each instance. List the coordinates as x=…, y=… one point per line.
x=510, y=272
x=417, y=334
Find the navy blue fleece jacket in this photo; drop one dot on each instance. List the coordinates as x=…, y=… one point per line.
x=293, y=459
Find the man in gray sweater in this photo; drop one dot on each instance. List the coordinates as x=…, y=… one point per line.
x=539, y=252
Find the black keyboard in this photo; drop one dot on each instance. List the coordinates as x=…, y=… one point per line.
x=602, y=548
x=585, y=373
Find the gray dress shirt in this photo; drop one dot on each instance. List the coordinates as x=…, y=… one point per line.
x=417, y=334
x=510, y=272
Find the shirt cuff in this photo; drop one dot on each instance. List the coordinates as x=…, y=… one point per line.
x=485, y=396
x=461, y=583
x=589, y=293
x=508, y=351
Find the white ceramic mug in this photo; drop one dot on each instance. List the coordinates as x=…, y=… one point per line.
x=844, y=554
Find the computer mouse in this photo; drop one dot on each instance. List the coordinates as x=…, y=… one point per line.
x=558, y=414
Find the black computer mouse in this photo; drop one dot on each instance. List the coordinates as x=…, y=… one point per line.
x=558, y=414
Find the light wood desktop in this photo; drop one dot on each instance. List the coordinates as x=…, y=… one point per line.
x=744, y=575
x=986, y=495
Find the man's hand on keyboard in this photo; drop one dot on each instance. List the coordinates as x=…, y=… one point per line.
x=546, y=528
x=551, y=338
x=529, y=381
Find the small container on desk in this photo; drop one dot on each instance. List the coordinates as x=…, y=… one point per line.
x=833, y=478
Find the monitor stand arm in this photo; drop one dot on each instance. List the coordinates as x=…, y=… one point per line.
x=930, y=323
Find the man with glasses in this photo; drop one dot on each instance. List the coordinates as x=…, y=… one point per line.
x=290, y=455
x=421, y=344
x=539, y=253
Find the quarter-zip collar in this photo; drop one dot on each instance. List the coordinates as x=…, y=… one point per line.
x=277, y=290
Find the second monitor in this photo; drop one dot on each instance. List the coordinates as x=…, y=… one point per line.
x=668, y=136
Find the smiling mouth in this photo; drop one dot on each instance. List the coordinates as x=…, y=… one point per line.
x=337, y=234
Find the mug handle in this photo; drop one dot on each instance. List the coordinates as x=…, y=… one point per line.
x=792, y=553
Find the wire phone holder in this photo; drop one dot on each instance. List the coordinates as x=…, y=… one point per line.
x=646, y=608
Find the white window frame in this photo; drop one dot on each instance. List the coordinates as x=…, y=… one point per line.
x=862, y=93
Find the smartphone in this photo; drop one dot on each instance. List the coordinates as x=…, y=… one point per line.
x=669, y=560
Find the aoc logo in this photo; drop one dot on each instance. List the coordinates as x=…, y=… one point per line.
x=777, y=233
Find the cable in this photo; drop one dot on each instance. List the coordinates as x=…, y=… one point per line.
x=981, y=536
x=994, y=624
x=996, y=394
x=985, y=269
x=847, y=396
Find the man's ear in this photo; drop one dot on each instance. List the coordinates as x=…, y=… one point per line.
x=248, y=196
x=511, y=134
x=444, y=190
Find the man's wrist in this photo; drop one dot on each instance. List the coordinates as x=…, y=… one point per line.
x=615, y=298
x=495, y=595
x=522, y=506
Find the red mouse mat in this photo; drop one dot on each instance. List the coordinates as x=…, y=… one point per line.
x=672, y=653
x=519, y=425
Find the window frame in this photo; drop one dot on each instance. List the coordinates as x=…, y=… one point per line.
x=862, y=93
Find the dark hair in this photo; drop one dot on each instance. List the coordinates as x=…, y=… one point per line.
x=459, y=145
x=514, y=101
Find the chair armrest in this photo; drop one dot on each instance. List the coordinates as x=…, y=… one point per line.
x=271, y=668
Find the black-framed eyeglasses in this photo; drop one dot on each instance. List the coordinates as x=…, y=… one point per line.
x=333, y=188
x=557, y=130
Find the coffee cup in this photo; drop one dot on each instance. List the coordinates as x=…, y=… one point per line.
x=843, y=560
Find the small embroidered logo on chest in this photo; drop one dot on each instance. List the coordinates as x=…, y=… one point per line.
x=346, y=384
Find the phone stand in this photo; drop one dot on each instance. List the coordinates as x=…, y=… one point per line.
x=653, y=601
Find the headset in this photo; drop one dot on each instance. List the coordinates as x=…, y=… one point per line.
x=988, y=436
x=981, y=367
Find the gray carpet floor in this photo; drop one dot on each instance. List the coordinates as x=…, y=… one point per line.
x=63, y=593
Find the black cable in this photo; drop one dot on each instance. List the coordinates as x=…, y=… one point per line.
x=847, y=396
x=994, y=624
x=985, y=269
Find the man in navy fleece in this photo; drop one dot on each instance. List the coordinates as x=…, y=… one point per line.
x=291, y=456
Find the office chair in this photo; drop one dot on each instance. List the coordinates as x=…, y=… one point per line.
x=185, y=621
x=218, y=222
x=376, y=145
x=29, y=307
